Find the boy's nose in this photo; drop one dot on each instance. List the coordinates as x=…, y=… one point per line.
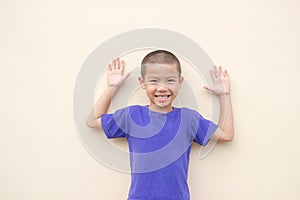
x=162, y=87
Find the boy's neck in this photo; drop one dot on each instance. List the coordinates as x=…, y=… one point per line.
x=161, y=110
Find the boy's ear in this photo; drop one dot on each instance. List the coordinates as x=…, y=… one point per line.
x=142, y=82
x=181, y=79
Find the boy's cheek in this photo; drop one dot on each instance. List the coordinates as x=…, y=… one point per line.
x=174, y=88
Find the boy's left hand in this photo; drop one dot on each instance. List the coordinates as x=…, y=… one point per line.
x=221, y=84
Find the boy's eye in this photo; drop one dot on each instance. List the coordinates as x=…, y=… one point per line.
x=153, y=81
x=171, y=81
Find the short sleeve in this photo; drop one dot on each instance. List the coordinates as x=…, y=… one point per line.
x=204, y=130
x=115, y=125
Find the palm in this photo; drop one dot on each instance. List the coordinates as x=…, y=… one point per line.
x=115, y=73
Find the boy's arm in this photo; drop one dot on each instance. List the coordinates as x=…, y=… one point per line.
x=221, y=87
x=115, y=78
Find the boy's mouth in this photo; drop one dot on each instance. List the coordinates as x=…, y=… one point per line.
x=162, y=96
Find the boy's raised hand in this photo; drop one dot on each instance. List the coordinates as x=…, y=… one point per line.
x=115, y=73
x=221, y=84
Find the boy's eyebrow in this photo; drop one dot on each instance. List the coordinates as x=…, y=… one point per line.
x=157, y=77
x=153, y=77
x=173, y=76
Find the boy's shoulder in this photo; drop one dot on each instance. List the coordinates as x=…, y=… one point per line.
x=189, y=110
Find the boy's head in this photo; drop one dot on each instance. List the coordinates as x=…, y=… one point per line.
x=160, y=57
x=161, y=78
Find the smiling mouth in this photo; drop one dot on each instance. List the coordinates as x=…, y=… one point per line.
x=162, y=96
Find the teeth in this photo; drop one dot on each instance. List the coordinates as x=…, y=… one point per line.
x=162, y=96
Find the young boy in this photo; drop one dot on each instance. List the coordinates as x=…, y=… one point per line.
x=160, y=135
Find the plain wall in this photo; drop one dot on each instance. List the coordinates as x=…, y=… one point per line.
x=44, y=44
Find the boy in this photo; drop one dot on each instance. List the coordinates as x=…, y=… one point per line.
x=160, y=135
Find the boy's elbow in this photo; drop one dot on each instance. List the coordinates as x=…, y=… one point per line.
x=91, y=124
x=229, y=139
x=226, y=137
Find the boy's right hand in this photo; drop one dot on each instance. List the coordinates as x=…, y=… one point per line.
x=115, y=73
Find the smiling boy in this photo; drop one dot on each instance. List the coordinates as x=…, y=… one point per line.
x=160, y=135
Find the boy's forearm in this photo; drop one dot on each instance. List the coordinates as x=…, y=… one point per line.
x=104, y=101
x=226, y=118
x=101, y=105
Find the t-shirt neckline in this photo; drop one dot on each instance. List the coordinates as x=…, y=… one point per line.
x=160, y=113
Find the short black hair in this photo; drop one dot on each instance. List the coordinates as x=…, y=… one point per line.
x=160, y=57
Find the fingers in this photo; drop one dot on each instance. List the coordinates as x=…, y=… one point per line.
x=218, y=72
x=116, y=64
x=215, y=73
x=122, y=65
x=208, y=89
x=212, y=74
x=225, y=73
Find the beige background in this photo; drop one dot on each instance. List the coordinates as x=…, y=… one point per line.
x=44, y=43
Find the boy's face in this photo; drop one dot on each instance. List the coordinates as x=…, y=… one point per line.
x=162, y=83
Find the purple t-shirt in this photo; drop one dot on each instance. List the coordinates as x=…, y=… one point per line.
x=159, y=146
